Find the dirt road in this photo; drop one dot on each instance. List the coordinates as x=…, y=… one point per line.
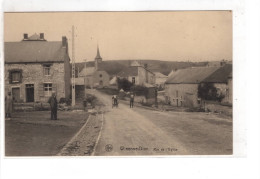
x=138, y=131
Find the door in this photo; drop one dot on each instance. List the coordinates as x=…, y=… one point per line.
x=16, y=94
x=29, y=93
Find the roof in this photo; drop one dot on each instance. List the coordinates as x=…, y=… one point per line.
x=130, y=71
x=87, y=71
x=171, y=73
x=220, y=76
x=113, y=80
x=34, y=51
x=159, y=75
x=190, y=75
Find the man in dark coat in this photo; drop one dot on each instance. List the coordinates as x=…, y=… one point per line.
x=131, y=100
x=54, y=106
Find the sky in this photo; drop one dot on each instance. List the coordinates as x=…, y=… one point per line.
x=169, y=36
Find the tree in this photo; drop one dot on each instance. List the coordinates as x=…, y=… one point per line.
x=207, y=91
x=124, y=84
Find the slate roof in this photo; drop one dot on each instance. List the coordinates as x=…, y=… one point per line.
x=130, y=71
x=192, y=75
x=159, y=75
x=34, y=51
x=221, y=75
x=88, y=71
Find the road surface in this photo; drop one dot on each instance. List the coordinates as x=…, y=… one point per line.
x=138, y=131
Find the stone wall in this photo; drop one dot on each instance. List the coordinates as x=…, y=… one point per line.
x=187, y=93
x=33, y=73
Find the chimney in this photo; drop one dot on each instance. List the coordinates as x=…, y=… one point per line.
x=64, y=41
x=25, y=36
x=42, y=36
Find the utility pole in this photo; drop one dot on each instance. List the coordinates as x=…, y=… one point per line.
x=85, y=79
x=73, y=68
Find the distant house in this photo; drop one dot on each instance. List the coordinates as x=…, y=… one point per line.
x=181, y=88
x=137, y=74
x=94, y=75
x=35, y=67
x=160, y=78
x=222, y=80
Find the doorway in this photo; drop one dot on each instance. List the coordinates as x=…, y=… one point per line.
x=29, y=92
x=16, y=94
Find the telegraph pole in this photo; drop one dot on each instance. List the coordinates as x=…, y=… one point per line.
x=73, y=68
x=85, y=79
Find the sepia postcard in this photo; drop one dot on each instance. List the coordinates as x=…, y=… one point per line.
x=148, y=83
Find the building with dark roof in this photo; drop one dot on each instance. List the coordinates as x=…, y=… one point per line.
x=222, y=81
x=35, y=67
x=181, y=88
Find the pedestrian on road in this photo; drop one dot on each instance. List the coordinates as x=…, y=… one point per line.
x=114, y=101
x=54, y=106
x=8, y=106
x=132, y=100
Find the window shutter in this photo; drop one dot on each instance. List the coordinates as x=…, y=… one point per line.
x=10, y=77
x=41, y=89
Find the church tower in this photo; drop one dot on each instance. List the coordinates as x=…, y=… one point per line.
x=98, y=59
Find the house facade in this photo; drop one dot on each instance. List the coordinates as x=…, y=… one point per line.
x=35, y=67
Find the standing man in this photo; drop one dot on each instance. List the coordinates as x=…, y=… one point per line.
x=131, y=100
x=54, y=106
x=8, y=106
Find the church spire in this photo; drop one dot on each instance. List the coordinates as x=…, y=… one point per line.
x=98, y=54
x=98, y=59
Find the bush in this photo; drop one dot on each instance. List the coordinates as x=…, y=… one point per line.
x=207, y=91
x=124, y=84
x=65, y=100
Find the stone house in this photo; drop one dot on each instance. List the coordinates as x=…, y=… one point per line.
x=138, y=74
x=34, y=67
x=181, y=88
x=222, y=80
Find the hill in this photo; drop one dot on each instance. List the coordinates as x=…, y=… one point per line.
x=165, y=67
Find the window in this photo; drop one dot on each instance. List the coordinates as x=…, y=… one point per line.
x=100, y=75
x=47, y=70
x=47, y=89
x=133, y=80
x=16, y=76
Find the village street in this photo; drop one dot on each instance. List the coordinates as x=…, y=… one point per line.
x=138, y=131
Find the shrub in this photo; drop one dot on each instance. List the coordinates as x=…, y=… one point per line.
x=207, y=91
x=124, y=84
x=65, y=100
